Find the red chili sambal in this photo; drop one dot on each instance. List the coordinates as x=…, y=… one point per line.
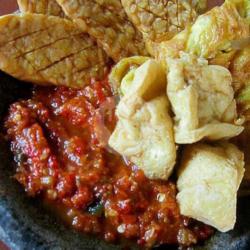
x=59, y=140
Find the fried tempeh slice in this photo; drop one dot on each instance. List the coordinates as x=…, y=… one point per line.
x=106, y=21
x=160, y=20
x=48, y=7
x=49, y=50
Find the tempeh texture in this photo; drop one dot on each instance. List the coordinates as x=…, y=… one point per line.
x=49, y=50
x=160, y=20
x=48, y=7
x=106, y=21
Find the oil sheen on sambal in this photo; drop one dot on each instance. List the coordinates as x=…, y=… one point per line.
x=59, y=140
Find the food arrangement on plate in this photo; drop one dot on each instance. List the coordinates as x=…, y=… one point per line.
x=138, y=123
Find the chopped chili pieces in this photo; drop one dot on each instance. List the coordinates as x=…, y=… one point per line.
x=59, y=140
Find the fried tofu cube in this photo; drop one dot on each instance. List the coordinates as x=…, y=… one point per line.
x=147, y=81
x=208, y=179
x=144, y=131
x=144, y=134
x=122, y=68
x=210, y=36
x=202, y=99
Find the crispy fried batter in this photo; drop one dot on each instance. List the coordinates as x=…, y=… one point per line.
x=106, y=21
x=49, y=7
x=48, y=50
x=160, y=20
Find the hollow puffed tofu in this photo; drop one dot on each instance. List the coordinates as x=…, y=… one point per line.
x=208, y=179
x=210, y=36
x=202, y=99
x=122, y=68
x=49, y=50
x=144, y=134
x=48, y=7
x=144, y=131
x=147, y=81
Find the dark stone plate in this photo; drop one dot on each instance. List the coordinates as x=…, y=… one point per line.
x=25, y=225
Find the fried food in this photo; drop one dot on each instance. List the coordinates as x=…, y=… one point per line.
x=212, y=32
x=48, y=7
x=240, y=69
x=242, y=141
x=120, y=70
x=147, y=81
x=107, y=22
x=144, y=134
x=171, y=48
x=202, y=99
x=49, y=50
x=209, y=37
x=160, y=20
x=208, y=180
x=243, y=102
x=144, y=131
x=243, y=6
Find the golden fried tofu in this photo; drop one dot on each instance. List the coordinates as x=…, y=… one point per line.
x=122, y=68
x=242, y=141
x=202, y=99
x=168, y=49
x=49, y=50
x=243, y=6
x=212, y=33
x=144, y=131
x=144, y=134
x=139, y=81
x=243, y=102
x=107, y=22
x=160, y=20
x=48, y=7
x=209, y=37
x=208, y=180
x=240, y=69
